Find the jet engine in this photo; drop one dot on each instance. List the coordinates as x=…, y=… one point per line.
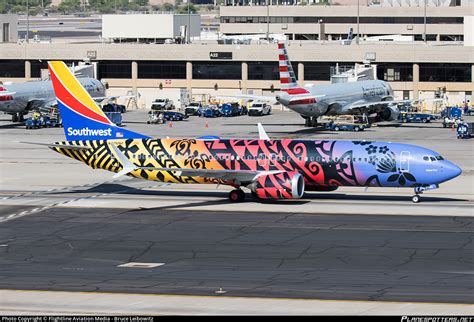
x=283, y=185
x=389, y=113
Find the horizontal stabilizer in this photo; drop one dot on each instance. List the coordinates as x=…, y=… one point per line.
x=62, y=146
x=127, y=165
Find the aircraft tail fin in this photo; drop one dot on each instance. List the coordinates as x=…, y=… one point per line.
x=287, y=75
x=82, y=118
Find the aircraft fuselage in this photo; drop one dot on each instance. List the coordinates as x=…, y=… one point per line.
x=31, y=95
x=321, y=163
x=334, y=99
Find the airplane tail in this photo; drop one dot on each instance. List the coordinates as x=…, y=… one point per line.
x=287, y=75
x=82, y=118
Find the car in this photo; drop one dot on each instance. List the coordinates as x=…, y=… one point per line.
x=230, y=109
x=174, y=116
x=259, y=109
x=193, y=108
x=162, y=104
x=210, y=111
x=415, y=117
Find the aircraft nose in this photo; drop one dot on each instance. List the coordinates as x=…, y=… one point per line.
x=451, y=170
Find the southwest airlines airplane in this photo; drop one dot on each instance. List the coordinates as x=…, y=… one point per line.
x=271, y=169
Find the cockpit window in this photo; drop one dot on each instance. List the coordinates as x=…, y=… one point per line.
x=426, y=158
x=439, y=158
x=433, y=159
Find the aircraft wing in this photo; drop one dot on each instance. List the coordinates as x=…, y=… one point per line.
x=257, y=98
x=102, y=98
x=242, y=176
x=232, y=175
x=374, y=107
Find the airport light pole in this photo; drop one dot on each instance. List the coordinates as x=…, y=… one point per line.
x=189, y=24
x=357, y=38
x=424, y=23
x=27, y=21
x=268, y=20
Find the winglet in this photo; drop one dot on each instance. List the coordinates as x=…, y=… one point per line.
x=127, y=165
x=261, y=133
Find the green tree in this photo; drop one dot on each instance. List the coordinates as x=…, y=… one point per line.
x=184, y=9
x=167, y=7
x=68, y=6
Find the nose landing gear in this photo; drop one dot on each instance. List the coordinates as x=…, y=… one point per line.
x=419, y=190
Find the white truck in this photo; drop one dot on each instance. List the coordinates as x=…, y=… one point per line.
x=162, y=104
x=259, y=108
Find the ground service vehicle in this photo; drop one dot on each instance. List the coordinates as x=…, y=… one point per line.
x=193, y=108
x=415, y=117
x=162, y=104
x=260, y=109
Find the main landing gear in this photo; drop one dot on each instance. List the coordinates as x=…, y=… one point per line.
x=311, y=121
x=18, y=117
x=236, y=195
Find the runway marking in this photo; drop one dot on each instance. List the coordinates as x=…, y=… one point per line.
x=64, y=189
x=236, y=297
x=36, y=210
x=141, y=265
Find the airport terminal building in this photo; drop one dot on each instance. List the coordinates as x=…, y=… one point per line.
x=414, y=69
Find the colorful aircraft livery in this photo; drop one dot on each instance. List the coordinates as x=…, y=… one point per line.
x=271, y=169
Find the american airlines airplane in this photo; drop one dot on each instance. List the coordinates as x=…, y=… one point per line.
x=373, y=98
x=362, y=97
x=18, y=99
x=271, y=169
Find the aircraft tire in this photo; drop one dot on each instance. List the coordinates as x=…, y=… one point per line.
x=307, y=122
x=14, y=118
x=236, y=195
x=416, y=198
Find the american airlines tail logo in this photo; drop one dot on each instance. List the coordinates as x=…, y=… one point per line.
x=89, y=132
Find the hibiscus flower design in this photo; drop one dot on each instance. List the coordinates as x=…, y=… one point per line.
x=383, y=150
x=402, y=177
x=361, y=142
x=371, y=149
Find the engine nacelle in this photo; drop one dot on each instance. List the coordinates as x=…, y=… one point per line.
x=389, y=113
x=284, y=185
x=321, y=188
